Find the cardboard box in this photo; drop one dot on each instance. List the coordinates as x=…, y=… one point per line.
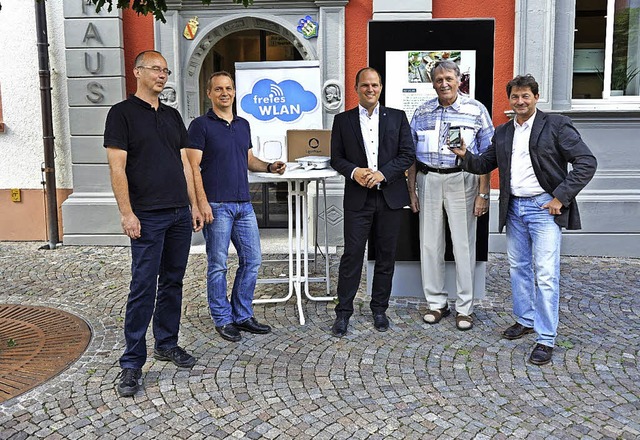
x=301, y=143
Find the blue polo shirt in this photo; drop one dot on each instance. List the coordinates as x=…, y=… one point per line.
x=225, y=147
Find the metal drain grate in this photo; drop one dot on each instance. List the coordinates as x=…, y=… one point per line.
x=37, y=343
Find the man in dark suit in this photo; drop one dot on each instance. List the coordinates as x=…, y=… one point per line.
x=537, y=200
x=371, y=146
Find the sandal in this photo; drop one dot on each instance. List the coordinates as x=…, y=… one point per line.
x=464, y=322
x=434, y=316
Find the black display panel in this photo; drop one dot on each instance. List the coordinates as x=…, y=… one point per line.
x=387, y=37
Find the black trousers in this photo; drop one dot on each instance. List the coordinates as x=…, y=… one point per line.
x=385, y=223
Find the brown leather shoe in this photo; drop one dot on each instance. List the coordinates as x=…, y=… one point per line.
x=541, y=354
x=516, y=331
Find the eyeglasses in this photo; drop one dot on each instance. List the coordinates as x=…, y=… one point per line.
x=156, y=69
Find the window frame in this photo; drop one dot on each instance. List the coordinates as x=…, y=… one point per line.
x=607, y=102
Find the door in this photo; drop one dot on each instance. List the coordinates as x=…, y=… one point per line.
x=269, y=200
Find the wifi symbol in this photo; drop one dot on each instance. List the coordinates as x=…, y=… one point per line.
x=276, y=90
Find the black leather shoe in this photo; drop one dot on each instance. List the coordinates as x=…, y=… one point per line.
x=177, y=355
x=516, y=331
x=381, y=322
x=129, y=381
x=541, y=354
x=339, y=327
x=229, y=332
x=251, y=325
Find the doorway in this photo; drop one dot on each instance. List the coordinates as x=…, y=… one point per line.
x=269, y=200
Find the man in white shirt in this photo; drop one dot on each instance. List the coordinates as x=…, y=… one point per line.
x=537, y=199
x=371, y=146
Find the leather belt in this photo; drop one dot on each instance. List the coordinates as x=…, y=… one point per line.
x=424, y=168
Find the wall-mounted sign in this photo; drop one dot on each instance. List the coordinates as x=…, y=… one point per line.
x=286, y=100
x=275, y=97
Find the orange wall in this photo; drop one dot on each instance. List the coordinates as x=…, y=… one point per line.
x=138, y=36
x=357, y=16
x=503, y=11
x=26, y=220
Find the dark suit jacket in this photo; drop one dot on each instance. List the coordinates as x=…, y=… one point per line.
x=554, y=143
x=396, y=153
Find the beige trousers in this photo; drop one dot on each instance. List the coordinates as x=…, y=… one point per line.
x=454, y=193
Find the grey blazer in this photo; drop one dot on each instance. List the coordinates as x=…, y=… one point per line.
x=554, y=143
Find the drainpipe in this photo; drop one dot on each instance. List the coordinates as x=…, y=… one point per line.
x=49, y=168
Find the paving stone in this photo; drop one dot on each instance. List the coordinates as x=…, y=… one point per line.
x=414, y=381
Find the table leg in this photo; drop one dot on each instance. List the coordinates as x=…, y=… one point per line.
x=300, y=223
x=290, y=200
x=326, y=255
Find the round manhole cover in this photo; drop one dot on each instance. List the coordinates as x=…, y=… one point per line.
x=36, y=343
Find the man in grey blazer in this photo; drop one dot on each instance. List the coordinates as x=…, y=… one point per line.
x=537, y=200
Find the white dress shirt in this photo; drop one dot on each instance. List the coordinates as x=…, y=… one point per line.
x=370, y=129
x=524, y=182
x=369, y=125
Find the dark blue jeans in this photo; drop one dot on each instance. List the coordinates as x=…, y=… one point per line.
x=158, y=262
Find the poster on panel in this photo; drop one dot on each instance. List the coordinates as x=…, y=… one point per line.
x=409, y=81
x=276, y=96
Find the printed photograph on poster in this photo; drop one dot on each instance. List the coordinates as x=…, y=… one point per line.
x=409, y=83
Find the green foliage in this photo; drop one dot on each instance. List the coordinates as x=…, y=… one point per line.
x=565, y=344
x=144, y=7
x=621, y=77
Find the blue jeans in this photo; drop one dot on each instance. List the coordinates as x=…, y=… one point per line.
x=232, y=222
x=533, y=249
x=158, y=262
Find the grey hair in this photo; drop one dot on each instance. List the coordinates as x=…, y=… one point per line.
x=445, y=65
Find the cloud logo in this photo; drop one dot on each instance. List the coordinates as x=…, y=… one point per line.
x=286, y=101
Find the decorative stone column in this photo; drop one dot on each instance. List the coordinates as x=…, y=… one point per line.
x=95, y=78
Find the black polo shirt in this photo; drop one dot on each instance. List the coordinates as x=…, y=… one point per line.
x=152, y=139
x=225, y=148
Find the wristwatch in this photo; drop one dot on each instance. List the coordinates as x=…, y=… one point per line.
x=484, y=196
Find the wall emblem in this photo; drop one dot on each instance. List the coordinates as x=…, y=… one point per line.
x=307, y=27
x=191, y=29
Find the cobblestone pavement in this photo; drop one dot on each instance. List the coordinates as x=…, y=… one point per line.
x=414, y=381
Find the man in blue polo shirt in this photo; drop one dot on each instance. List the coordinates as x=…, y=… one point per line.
x=153, y=185
x=220, y=152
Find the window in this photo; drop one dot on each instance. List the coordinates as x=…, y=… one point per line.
x=606, y=61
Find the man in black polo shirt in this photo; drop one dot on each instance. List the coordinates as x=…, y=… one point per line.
x=220, y=153
x=153, y=186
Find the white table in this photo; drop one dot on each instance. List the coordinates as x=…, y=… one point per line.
x=297, y=183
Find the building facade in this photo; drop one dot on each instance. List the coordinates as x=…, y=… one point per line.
x=574, y=48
